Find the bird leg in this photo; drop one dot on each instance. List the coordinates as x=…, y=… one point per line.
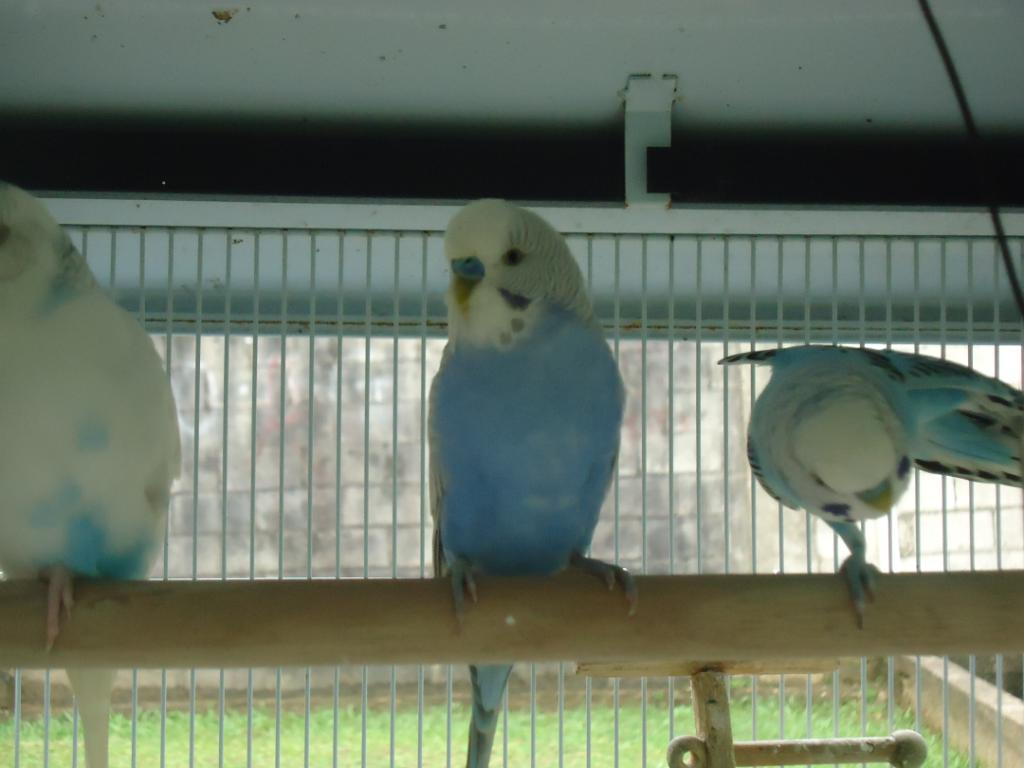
x=860, y=575
x=59, y=594
x=611, y=574
x=462, y=583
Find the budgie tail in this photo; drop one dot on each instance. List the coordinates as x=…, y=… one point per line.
x=93, y=688
x=489, y=683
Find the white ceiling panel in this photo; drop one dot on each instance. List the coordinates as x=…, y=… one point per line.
x=857, y=64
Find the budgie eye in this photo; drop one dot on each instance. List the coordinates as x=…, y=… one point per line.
x=512, y=257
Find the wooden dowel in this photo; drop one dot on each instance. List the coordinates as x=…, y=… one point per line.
x=652, y=668
x=904, y=748
x=897, y=749
x=571, y=616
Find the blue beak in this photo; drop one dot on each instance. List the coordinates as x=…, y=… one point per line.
x=470, y=268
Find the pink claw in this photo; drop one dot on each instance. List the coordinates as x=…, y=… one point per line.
x=60, y=593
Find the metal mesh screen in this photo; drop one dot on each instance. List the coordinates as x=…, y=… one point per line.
x=300, y=355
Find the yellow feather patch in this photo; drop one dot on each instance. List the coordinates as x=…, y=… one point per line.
x=462, y=289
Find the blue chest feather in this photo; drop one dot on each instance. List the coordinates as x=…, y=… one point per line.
x=527, y=439
x=87, y=550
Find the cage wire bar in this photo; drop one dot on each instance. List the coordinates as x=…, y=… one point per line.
x=300, y=339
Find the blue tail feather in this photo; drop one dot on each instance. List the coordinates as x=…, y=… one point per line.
x=489, y=683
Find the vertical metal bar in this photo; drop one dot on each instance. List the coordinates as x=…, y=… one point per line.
x=835, y=542
x=254, y=389
x=282, y=416
x=671, y=451
x=310, y=460
x=368, y=318
x=17, y=718
x=196, y=398
x=753, y=480
x=338, y=450
x=533, y=715
x=224, y=472
x=780, y=333
x=505, y=727
x=394, y=481
x=698, y=367
x=863, y=699
x=46, y=719
x=74, y=699
x=112, y=279
x=753, y=398
x=643, y=469
x=420, y=681
x=588, y=687
x=448, y=721
x=779, y=318
x=1020, y=342
x=972, y=659
x=808, y=520
x=133, y=760
x=618, y=329
x=945, y=509
x=726, y=521
x=999, y=710
x=166, y=553
x=996, y=271
x=893, y=553
x=917, y=477
x=561, y=715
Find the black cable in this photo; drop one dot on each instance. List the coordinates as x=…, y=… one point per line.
x=976, y=145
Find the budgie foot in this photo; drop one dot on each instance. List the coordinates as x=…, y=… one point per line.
x=463, y=583
x=860, y=578
x=59, y=594
x=611, y=574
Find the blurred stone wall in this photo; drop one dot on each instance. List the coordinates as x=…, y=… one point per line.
x=275, y=501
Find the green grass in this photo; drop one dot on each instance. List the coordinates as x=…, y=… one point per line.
x=321, y=729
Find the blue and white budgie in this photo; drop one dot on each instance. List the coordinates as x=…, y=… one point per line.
x=525, y=414
x=88, y=433
x=837, y=430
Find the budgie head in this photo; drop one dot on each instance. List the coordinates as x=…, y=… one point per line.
x=507, y=264
x=38, y=263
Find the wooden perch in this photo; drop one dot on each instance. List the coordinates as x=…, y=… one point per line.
x=572, y=616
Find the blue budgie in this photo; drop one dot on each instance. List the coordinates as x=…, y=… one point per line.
x=837, y=430
x=89, y=441
x=524, y=423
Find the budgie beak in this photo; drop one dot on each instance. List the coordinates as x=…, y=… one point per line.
x=470, y=268
x=879, y=497
x=467, y=273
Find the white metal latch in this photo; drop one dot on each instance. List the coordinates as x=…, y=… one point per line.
x=649, y=103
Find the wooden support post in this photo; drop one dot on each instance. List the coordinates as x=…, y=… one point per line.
x=571, y=616
x=711, y=717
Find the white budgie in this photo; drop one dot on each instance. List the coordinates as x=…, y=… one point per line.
x=837, y=430
x=89, y=440
x=525, y=414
